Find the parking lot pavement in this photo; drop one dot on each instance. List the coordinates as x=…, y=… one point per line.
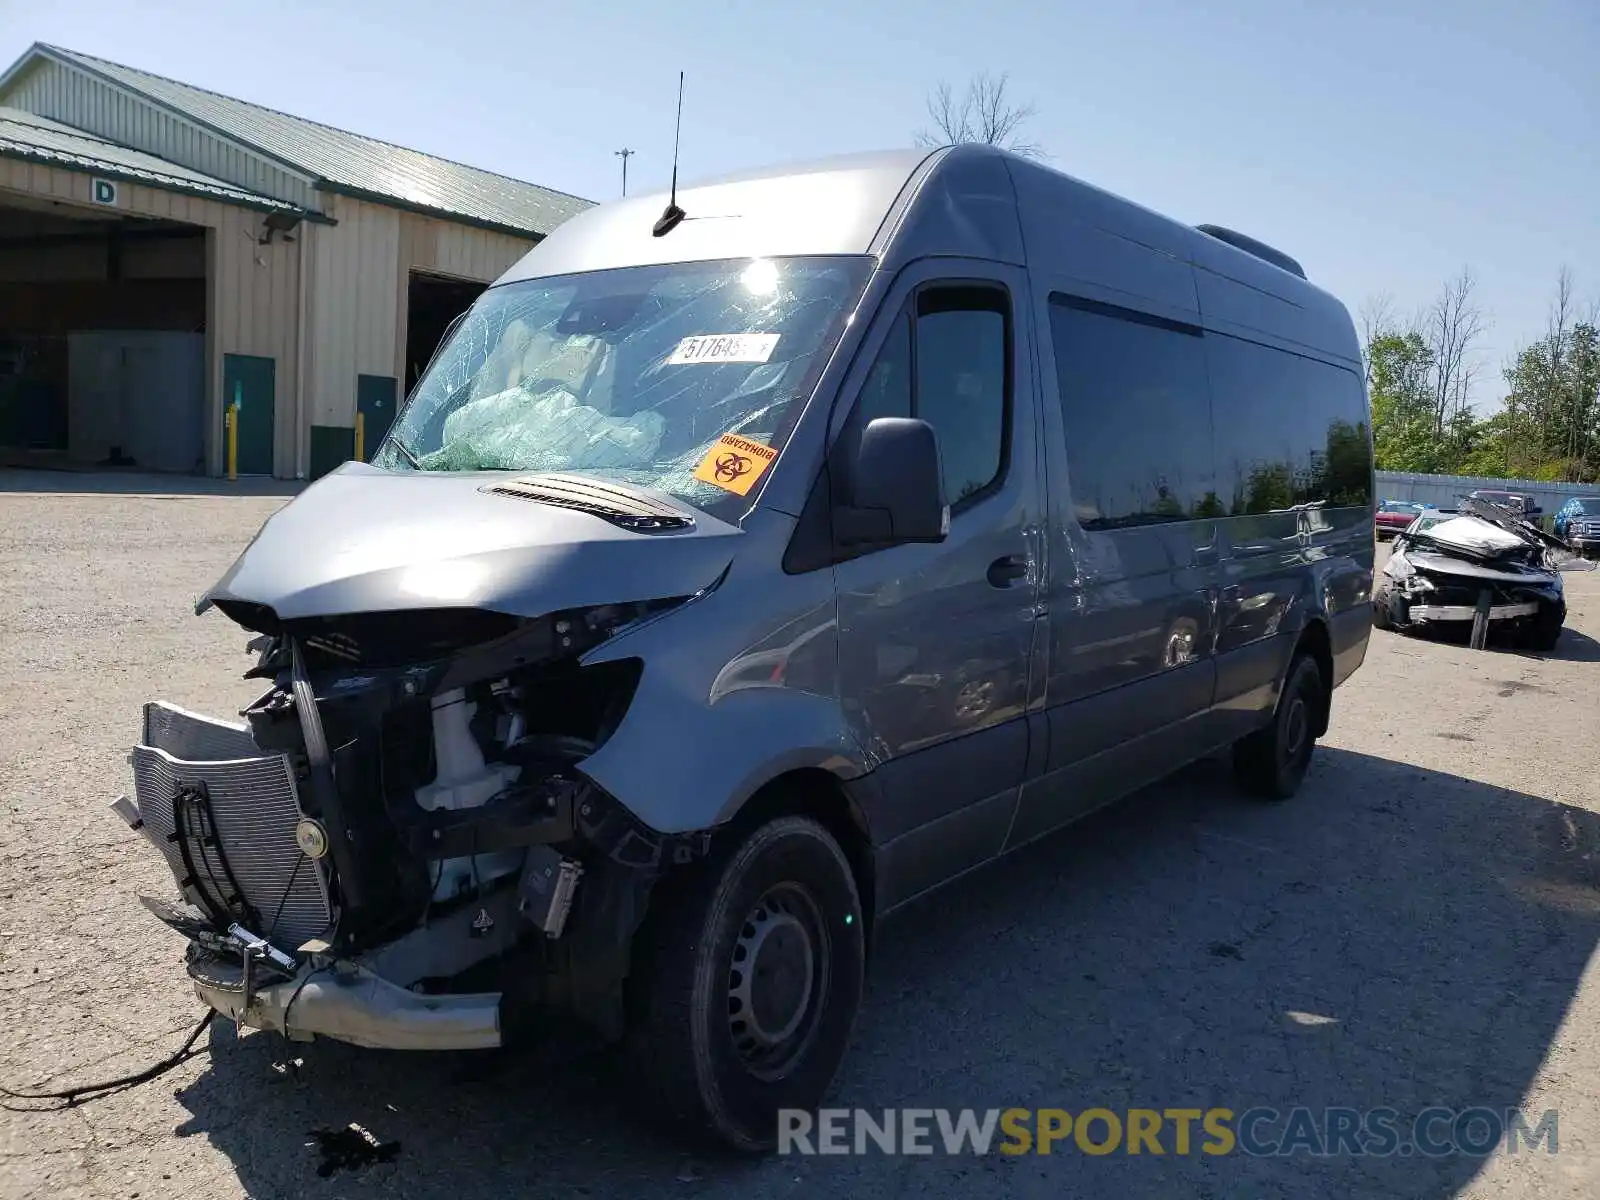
x=1415, y=929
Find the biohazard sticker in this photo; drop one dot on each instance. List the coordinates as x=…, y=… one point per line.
x=735, y=463
x=724, y=348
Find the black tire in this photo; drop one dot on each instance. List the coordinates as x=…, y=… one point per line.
x=785, y=894
x=1381, y=617
x=1272, y=762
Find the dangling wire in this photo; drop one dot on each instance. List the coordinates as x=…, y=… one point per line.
x=97, y=1091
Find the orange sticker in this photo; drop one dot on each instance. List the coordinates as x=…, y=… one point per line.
x=735, y=463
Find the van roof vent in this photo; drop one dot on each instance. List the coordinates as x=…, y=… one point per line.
x=1250, y=246
x=621, y=506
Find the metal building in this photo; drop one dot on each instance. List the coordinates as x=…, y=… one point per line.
x=167, y=254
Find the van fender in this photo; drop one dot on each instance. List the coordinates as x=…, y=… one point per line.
x=680, y=766
x=737, y=687
x=1309, y=613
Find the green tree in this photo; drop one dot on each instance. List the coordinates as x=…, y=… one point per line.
x=1400, y=366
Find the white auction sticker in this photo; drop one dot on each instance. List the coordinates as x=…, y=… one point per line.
x=725, y=348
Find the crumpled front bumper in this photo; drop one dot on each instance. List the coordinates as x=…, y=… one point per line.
x=349, y=1003
x=357, y=1000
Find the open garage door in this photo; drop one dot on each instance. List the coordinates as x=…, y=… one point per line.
x=432, y=302
x=102, y=337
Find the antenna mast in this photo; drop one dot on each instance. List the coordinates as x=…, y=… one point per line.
x=624, y=154
x=668, y=221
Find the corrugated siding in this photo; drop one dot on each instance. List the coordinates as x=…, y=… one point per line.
x=60, y=93
x=353, y=294
x=251, y=305
x=360, y=269
x=458, y=251
x=255, y=304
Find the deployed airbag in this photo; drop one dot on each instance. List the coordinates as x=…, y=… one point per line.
x=518, y=430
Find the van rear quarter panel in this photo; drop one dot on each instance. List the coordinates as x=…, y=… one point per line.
x=1274, y=573
x=1325, y=569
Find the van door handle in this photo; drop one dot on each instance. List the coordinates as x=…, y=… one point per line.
x=1003, y=572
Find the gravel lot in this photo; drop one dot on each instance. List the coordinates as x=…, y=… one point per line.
x=1431, y=900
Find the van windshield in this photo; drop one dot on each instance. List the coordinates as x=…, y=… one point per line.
x=634, y=375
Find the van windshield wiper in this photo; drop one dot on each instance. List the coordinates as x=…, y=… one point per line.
x=405, y=452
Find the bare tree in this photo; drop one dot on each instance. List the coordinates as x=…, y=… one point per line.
x=983, y=114
x=1452, y=325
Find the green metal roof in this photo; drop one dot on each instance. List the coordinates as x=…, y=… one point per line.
x=27, y=136
x=340, y=161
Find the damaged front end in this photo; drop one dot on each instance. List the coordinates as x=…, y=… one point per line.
x=1486, y=569
x=398, y=848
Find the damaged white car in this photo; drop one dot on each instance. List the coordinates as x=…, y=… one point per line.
x=1481, y=570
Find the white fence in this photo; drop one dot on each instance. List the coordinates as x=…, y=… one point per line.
x=1443, y=491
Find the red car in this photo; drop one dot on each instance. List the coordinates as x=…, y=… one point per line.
x=1393, y=516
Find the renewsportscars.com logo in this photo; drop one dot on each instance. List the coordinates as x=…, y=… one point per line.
x=1259, y=1132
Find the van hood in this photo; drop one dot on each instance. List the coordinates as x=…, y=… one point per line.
x=364, y=540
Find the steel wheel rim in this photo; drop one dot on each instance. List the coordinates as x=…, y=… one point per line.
x=780, y=970
x=1296, y=724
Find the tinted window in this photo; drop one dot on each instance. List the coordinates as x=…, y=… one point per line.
x=1289, y=430
x=950, y=368
x=1136, y=415
x=961, y=386
x=887, y=392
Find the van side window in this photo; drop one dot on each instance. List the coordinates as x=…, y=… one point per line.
x=1277, y=443
x=1136, y=414
x=962, y=359
x=950, y=366
x=887, y=392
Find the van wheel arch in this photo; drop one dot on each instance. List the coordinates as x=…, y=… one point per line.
x=1315, y=641
x=821, y=795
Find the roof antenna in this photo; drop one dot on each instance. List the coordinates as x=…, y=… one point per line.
x=668, y=220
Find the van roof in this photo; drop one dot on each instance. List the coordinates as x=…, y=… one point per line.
x=964, y=199
x=824, y=206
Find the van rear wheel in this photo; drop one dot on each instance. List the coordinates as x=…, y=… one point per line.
x=746, y=982
x=1272, y=762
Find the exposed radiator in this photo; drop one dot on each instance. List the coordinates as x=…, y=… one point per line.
x=212, y=779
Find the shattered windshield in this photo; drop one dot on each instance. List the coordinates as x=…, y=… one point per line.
x=645, y=375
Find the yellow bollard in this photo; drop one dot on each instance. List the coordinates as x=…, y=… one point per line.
x=361, y=436
x=231, y=419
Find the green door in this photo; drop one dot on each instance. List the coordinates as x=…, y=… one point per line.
x=248, y=381
x=376, y=400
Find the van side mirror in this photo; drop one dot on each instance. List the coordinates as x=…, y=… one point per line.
x=896, y=486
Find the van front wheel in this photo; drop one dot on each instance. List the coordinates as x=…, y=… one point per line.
x=746, y=981
x=1271, y=762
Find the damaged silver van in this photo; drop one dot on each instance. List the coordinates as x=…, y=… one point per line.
x=736, y=574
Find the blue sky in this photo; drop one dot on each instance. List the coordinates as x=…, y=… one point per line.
x=1384, y=144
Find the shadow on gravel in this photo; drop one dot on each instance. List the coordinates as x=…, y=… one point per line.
x=1394, y=937
x=115, y=482
x=1573, y=647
